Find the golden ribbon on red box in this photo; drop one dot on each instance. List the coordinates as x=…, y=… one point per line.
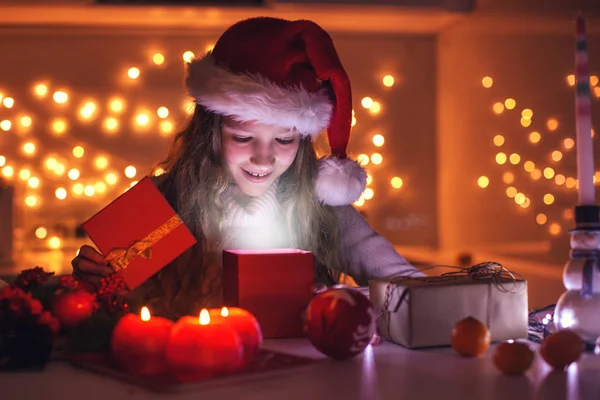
x=119, y=258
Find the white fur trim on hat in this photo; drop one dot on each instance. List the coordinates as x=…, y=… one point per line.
x=254, y=98
x=340, y=181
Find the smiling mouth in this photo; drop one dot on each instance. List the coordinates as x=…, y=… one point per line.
x=257, y=175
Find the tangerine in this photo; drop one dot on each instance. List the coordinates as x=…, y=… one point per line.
x=470, y=337
x=513, y=357
x=561, y=348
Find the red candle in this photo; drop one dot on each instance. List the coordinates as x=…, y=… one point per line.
x=139, y=343
x=245, y=325
x=199, y=347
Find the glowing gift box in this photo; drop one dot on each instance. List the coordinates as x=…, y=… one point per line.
x=274, y=285
x=139, y=233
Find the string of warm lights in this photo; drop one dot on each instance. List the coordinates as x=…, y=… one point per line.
x=536, y=171
x=79, y=171
x=374, y=107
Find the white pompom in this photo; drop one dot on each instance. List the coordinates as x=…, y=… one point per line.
x=340, y=181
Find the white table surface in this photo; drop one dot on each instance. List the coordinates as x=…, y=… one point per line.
x=387, y=371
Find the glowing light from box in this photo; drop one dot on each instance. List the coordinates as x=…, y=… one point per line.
x=166, y=127
x=375, y=107
x=33, y=182
x=514, y=158
x=559, y=179
x=368, y=194
x=2, y=161
x=499, y=140
x=571, y=80
x=548, y=198
x=5, y=125
x=100, y=187
x=536, y=174
x=510, y=103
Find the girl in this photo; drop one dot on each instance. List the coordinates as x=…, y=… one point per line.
x=244, y=173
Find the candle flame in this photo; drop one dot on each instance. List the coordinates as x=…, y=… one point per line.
x=145, y=314
x=224, y=312
x=204, y=317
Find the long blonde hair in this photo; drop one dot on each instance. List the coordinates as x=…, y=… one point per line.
x=195, y=179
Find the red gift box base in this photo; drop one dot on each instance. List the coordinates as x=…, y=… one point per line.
x=274, y=285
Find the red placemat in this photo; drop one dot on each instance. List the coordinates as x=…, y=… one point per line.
x=266, y=363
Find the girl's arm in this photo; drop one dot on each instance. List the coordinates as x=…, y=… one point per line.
x=368, y=254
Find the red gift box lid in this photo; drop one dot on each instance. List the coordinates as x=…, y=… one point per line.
x=132, y=217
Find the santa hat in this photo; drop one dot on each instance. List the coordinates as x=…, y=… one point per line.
x=287, y=74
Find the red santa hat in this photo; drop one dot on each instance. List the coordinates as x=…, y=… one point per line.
x=287, y=74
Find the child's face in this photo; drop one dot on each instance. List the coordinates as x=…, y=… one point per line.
x=257, y=154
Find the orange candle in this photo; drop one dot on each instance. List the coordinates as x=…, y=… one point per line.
x=199, y=347
x=245, y=325
x=139, y=343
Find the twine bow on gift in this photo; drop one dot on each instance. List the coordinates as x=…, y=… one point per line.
x=120, y=258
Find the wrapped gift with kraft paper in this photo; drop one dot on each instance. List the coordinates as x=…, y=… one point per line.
x=274, y=285
x=422, y=311
x=139, y=233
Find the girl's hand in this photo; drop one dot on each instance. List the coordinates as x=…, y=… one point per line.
x=89, y=265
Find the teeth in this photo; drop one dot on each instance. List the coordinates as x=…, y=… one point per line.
x=257, y=175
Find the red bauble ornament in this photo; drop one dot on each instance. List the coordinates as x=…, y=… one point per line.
x=340, y=323
x=72, y=307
